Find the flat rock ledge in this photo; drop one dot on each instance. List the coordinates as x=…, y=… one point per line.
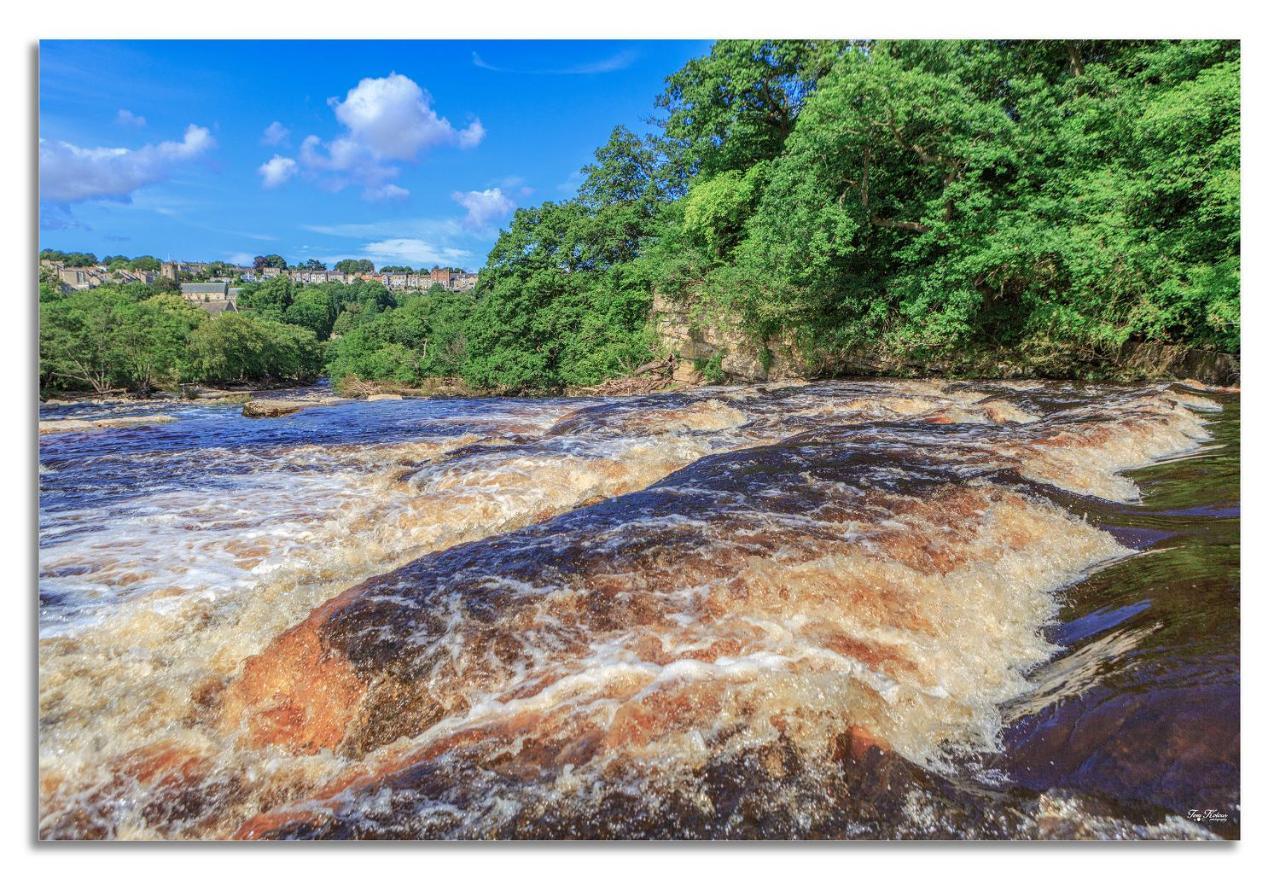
x=269, y=409
x=59, y=426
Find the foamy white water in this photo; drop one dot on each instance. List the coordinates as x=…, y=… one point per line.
x=781, y=568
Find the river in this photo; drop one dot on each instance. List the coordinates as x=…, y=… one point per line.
x=831, y=610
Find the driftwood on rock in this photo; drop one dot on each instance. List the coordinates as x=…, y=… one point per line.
x=644, y=379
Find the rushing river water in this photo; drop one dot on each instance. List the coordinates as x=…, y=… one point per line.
x=847, y=609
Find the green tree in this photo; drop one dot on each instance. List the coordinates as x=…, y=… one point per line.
x=153, y=342
x=109, y=339
x=941, y=194
x=423, y=337
x=270, y=261
x=238, y=348
x=80, y=340
x=269, y=299
x=312, y=309
x=737, y=105
x=561, y=303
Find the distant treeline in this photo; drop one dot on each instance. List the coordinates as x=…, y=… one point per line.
x=131, y=338
x=81, y=259
x=135, y=338
x=917, y=198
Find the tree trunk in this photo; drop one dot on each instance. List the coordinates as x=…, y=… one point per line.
x=1073, y=54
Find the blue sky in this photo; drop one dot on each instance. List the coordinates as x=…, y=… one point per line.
x=402, y=152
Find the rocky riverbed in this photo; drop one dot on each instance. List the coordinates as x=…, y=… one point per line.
x=839, y=609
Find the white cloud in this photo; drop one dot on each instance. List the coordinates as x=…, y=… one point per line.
x=412, y=227
x=277, y=170
x=472, y=135
x=69, y=173
x=423, y=241
x=341, y=154
x=484, y=206
x=415, y=251
x=393, y=118
x=619, y=61
x=240, y=258
x=514, y=183
x=385, y=192
x=124, y=117
x=342, y=162
x=274, y=134
x=387, y=120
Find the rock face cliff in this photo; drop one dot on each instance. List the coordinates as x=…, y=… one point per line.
x=708, y=345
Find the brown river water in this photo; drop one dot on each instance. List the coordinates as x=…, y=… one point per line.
x=833, y=610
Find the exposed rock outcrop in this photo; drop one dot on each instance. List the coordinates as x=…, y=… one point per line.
x=58, y=426
x=260, y=408
x=707, y=345
x=1157, y=361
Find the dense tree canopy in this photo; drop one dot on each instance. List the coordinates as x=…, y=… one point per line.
x=129, y=338
x=899, y=198
x=738, y=105
x=423, y=337
x=235, y=348
x=565, y=302
x=940, y=194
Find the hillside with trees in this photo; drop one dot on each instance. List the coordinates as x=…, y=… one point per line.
x=947, y=205
x=914, y=199
x=943, y=203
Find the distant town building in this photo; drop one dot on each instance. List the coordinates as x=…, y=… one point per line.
x=201, y=289
x=320, y=276
x=217, y=307
x=81, y=277
x=215, y=297
x=219, y=289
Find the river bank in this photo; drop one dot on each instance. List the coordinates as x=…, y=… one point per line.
x=704, y=355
